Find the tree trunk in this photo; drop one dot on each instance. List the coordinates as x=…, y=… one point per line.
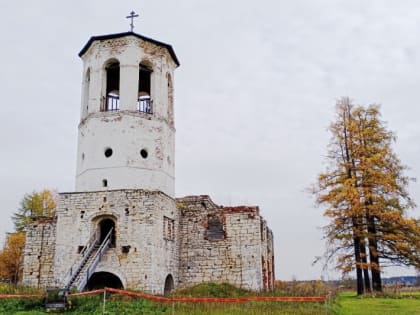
x=373, y=254
x=359, y=272
x=365, y=268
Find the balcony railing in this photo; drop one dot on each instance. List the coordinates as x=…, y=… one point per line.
x=112, y=103
x=145, y=104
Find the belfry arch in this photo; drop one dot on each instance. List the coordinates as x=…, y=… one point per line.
x=144, y=102
x=112, y=86
x=86, y=92
x=170, y=99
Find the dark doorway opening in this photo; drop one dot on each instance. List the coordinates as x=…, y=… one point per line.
x=104, y=227
x=169, y=285
x=100, y=280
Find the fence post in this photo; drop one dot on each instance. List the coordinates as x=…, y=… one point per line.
x=327, y=302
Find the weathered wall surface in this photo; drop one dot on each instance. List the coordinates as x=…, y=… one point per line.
x=196, y=242
x=126, y=134
x=39, y=252
x=129, y=51
x=236, y=254
x=126, y=131
x=139, y=217
x=267, y=256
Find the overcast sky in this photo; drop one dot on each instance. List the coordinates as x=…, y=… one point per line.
x=254, y=96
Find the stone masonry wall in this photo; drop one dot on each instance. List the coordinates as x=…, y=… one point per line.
x=237, y=254
x=139, y=217
x=270, y=259
x=193, y=240
x=39, y=252
x=267, y=256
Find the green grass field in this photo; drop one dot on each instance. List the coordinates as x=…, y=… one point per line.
x=406, y=304
x=346, y=303
x=116, y=305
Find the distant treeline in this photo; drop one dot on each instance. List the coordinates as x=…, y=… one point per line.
x=402, y=280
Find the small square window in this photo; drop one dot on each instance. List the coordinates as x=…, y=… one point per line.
x=215, y=229
x=168, y=229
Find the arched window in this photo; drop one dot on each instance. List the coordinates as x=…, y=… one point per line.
x=86, y=87
x=144, y=103
x=170, y=99
x=112, y=95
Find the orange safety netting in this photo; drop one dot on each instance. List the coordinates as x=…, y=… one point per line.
x=220, y=300
x=183, y=299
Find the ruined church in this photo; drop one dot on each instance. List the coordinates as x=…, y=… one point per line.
x=123, y=227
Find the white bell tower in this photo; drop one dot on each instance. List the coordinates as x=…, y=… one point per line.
x=126, y=133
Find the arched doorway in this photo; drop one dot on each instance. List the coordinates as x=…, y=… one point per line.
x=100, y=280
x=169, y=285
x=170, y=99
x=104, y=227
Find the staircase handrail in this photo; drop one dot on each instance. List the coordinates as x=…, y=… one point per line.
x=96, y=259
x=86, y=252
x=86, y=249
x=91, y=242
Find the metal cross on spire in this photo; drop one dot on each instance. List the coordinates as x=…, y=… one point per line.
x=132, y=16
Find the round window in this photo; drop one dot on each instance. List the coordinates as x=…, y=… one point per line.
x=108, y=152
x=143, y=153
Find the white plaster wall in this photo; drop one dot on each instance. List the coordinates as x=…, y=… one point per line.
x=126, y=131
x=129, y=51
x=126, y=134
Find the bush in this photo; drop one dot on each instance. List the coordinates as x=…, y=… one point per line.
x=213, y=290
x=13, y=306
x=6, y=288
x=301, y=288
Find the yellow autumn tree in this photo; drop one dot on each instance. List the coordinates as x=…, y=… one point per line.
x=365, y=194
x=32, y=206
x=36, y=204
x=11, y=257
